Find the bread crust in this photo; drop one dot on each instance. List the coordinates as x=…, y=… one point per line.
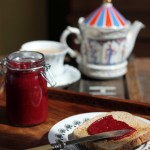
x=140, y=136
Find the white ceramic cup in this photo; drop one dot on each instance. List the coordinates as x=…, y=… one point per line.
x=53, y=51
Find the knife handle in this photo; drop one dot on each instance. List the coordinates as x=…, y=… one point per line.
x=53, y=146
x=43, y=147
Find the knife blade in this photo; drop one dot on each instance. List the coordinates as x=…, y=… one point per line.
x=95, y=137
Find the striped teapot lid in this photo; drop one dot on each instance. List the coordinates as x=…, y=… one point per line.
x=106, y=16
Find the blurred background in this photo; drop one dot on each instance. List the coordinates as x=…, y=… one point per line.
x=26, y=20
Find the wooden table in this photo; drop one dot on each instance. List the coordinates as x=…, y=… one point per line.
x=72, y=100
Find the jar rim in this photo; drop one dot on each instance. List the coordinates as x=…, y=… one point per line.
x=25, y=60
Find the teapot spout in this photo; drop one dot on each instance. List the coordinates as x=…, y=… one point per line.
x=132, y=35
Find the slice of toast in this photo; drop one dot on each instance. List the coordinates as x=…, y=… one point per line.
x=140, y=136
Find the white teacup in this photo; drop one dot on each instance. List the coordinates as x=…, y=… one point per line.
x=53, y=51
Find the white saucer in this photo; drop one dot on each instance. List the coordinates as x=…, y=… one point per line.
x=70, y=75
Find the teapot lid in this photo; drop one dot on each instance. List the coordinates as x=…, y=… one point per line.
x=106, y=16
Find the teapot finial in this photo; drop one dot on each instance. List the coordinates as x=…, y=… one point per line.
x=107, y=1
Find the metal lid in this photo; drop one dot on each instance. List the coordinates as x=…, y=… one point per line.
x=106, y=16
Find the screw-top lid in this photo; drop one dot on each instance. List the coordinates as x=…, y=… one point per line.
x=106, y=16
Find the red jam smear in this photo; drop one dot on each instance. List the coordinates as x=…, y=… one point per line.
x=108, y=123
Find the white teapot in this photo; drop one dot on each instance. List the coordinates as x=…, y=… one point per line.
x=107, y=40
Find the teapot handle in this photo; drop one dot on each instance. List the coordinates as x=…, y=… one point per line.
x=63, y=38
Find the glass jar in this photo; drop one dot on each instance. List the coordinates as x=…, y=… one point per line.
x=26, y=88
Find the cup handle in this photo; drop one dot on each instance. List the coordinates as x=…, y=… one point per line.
x=63, y=39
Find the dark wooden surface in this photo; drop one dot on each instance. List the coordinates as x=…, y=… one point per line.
x=142, y=67
x=62, y=104
x=132, y=93
x=132, y=85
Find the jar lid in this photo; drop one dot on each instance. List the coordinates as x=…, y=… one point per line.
x=24, y=60
x=106, y=16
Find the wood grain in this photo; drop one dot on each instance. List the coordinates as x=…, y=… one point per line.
x=62, y=104
x=143, y=74
x=133, y=89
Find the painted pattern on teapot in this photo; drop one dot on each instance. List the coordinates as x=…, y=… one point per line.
x=109, y=53
x=106, y=16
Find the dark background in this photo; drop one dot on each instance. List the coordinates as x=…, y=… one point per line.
x=28, y=20
x=58, y=11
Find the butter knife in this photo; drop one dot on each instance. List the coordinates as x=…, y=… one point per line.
x=100, y=136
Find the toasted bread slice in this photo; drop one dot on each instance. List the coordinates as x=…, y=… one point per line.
x=140, y=136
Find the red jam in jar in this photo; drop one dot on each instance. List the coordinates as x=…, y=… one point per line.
x=26, y=89
x=108, y=123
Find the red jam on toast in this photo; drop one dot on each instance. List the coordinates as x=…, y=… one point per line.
x=108, y=123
